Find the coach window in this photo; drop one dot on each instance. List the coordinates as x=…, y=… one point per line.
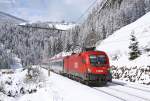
x=93, y=59
x=61, y=63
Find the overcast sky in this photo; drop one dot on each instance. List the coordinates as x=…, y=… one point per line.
x=45, y=10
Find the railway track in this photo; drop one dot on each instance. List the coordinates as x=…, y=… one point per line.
x=120, y=94
x=129, y=86
x=108, y=93
x=125, y=92
x=142, y=98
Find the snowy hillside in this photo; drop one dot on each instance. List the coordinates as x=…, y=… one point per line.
x=117, y=44
x=117, y=48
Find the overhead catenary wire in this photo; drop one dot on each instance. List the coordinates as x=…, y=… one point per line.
x=86, y=11
x=103, y=5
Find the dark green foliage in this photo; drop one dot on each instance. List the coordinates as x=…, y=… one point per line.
x=135, y=52
x=69, y=47
x=104, y=32
x=34, y=75
x=126, y=73
x=4, y=64
x=113, y=2
x=120, y=1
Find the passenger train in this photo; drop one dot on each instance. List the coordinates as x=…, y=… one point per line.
x=89, y=67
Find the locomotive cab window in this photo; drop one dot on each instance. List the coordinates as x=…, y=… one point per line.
x=93, y=59
x=101, y=59
x=97, y=60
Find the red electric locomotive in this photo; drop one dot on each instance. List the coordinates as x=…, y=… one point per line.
x=90, y=67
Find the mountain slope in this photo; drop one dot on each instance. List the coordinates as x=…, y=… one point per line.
x=4, y=17
x=117, y=44
x=117, y=48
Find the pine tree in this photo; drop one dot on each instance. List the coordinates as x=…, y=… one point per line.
x=135, y=52
x=104, y=32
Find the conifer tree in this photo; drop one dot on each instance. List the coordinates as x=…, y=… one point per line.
x=134, y=48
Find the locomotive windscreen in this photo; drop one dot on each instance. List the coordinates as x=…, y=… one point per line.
x=98, y=60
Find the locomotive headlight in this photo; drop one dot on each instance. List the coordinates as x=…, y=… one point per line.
x=89, y=70
x=110, y=70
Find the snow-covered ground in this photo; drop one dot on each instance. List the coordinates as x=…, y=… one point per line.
x=117, y=44
x=56, y=25
x=117, y=48
x=58, y=88
x=62, y=26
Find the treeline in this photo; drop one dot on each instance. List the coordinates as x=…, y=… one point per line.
x=32, y=45
x=8, y=59
x=107, y=17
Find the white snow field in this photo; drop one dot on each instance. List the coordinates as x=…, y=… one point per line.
x=58, y=88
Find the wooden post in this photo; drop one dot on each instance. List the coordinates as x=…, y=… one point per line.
x=48, y=72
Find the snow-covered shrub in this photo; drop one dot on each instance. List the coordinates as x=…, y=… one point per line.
x=8, y=88
x=21, y=82
x=2, y=86
x=115, y=55
x=147, y=50
x=34, y=75
x=132, y=74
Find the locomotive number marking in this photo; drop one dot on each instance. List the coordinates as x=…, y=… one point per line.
x=75, y=65
x=99, y=71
